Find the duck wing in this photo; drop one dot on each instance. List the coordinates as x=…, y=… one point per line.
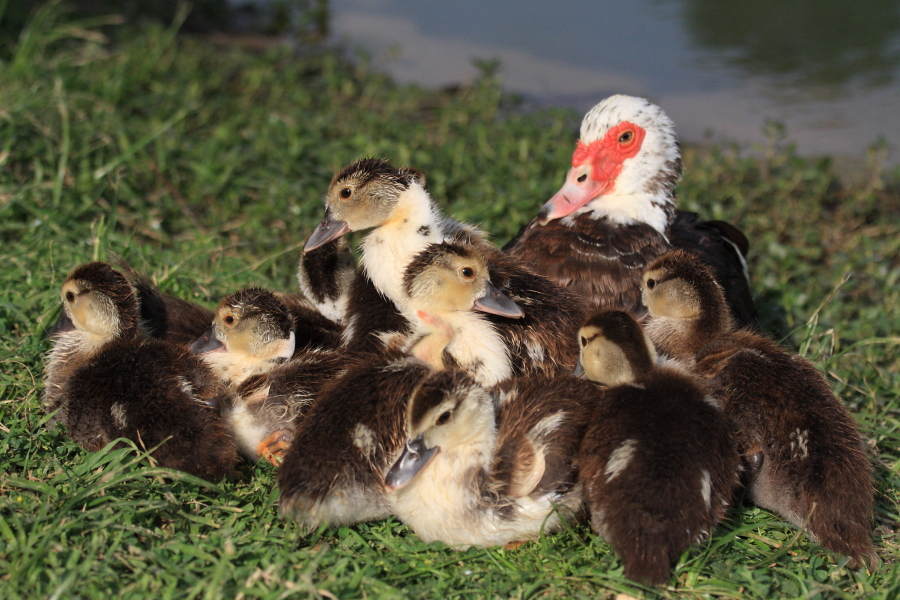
x=600, y=260
x=723, y=247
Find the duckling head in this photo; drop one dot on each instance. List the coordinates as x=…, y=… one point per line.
x=449, y=277
x=251, y=330
x=363, y=195
x=449, y=412
x=99, y=301
x=679, y=287
x=614, y=349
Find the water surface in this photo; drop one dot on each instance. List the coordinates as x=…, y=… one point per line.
x=828, y=70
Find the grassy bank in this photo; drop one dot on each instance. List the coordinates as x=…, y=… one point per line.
x=204, y=166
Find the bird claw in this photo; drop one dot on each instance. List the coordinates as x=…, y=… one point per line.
x=274, y=446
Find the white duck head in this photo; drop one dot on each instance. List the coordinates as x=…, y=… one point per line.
x=625, y=166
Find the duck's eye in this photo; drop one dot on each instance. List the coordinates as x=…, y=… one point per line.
x=582, y=178
x=467, y=272
x=70, y=296
x=229, y=319
x=444, y=418
x=346, y=193
x=583, y=341
x=626, y=137
x=651, y=283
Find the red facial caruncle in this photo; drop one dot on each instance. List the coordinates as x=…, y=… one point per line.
x=595, y=167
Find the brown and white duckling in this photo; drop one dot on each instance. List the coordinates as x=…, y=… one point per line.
x=658, y=465
x=110, y=380
x=347, y=440
x=252, y=333
x=475, y=474
x=405, y=221
x=449, y=283
x=806, y=456
x=616, y=213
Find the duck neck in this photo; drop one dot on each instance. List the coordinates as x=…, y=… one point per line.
x=677, y=338
x=414, y=224
x=656, y=209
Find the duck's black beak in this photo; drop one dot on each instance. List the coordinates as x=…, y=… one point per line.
x=496, y=303
x=414, y=458
x=206, y=343
x=329, y=229
x=579, y=370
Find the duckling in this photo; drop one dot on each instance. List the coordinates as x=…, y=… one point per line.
x=347, y=440
x=252, y=332
x=109, y=380
x=475, y=474
x=371, y=194
x=250, y=349
x=449, y=284
x=804, y=451
x=658, y=465
x=616, y=213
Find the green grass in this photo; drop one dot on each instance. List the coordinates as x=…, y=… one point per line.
x=205, y=166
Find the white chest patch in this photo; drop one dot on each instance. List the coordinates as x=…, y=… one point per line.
x=479, y=349
x=364, y=439
x=619, y=459
x=118, y=414
x=799, y=444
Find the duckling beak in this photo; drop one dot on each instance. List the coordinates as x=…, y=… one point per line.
x=414, y=458
x=496, y=303
x=579, y=370
x=329, y=229
x=208, y=342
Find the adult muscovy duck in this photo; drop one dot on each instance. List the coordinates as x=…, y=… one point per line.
x=616, y=214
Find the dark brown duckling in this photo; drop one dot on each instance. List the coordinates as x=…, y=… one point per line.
x=348, y=439
x=806, y=455
x=109, y=380
x=475, y=474
x=658, y=465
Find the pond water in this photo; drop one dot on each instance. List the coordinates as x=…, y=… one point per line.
x=828, y=70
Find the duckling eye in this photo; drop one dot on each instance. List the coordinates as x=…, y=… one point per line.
x=582, y=178
x=651, y=283
x=229, y=319
x=626, y=137
x=583, y=341
x=346, y=193
x=70, y=296
x=445, y=416
x=467, y=272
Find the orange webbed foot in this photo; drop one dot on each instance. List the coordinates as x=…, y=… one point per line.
x=273, y=446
